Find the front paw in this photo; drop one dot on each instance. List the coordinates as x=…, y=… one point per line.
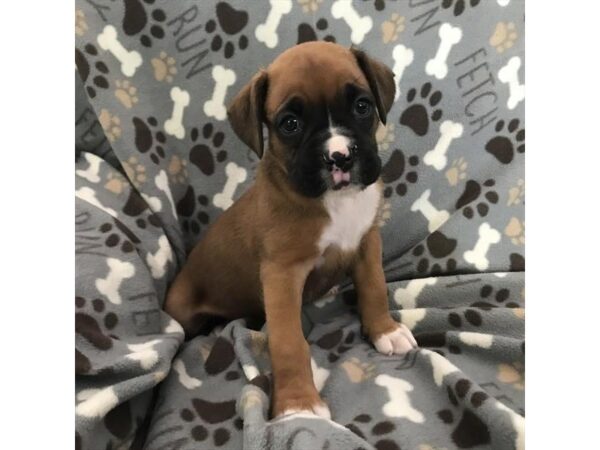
x=308, y=402
x=396, y=342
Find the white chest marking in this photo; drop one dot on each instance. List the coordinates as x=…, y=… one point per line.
x=352, y=213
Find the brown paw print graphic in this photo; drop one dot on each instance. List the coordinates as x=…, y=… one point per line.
x=516, y=194
x=470, y=431
x=111, y=125
x=422, y=111
x=472, y=194
x=307, y=33
x=92, y=71
x=385, y=136
x=515, y=230
x=401, y=170
x=126, y=93
x=508, y=140
x=357, y=370
x=513, y=374
x=149, y=139
x=202, y=153
x=212, y=422
x=380, y=432
x=81, y=25
x=177, y=169
x=391, y=28
x=504, y=37
x=434, y=256
x=310, y=6
x=191, y=219
x=93, y=321
x=165, y=67
x=141, y=18
x=232, y=22
x=457, y=171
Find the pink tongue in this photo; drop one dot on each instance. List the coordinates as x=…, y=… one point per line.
x=339, y=176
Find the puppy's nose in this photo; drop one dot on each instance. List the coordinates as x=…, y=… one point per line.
x=342, y=158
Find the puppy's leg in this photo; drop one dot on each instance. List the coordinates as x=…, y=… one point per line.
x=387, y=335
x=294, y=389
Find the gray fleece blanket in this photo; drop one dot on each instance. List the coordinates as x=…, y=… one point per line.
x=156, y=163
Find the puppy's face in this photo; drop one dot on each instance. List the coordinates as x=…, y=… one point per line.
x=322, y=104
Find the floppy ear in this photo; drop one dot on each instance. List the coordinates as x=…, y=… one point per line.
x=380, y=79
x=246, y=112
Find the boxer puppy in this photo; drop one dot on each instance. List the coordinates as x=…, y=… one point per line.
x=308, y=220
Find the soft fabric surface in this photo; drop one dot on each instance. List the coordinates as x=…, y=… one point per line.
x=452, y=225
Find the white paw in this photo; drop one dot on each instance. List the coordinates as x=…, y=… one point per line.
x=316, y=410
x=397, y=342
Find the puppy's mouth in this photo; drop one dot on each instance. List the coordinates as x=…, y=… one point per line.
x=340, y=178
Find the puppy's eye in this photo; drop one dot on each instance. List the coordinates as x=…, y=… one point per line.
x=362, y=108
x=290, y=125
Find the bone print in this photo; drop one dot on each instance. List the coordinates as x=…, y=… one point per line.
x=153, y=202
x=440, y=366
x=360, y=26
x=96, y=402
x=235, y=175
x=91, y=173
x=144, y=353
x=518, y=423
x=159, y=260
x=162, y=182
x=320, y=374
x=509, y=74
x=185, y=379
x=435, y=217
x=487, y=237
x=215, y=107
x=503, y=3
x=130, y=60
x=174, y=125
x=449, y=36
x=89, y=195
x=403, y=57
x=267, y=32
x=399, y=404
x=437, y=157
x=118, y=271
x=407, y=297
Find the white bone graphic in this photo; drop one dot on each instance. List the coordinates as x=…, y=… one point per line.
x=403, y=57
x=435, y=217
x=407, y=297
x=89, y=195
x=91, y=173
x=487, y=237
x=118, y=271
x=360, y=26
x=187, y=381
x=437, y=157
x=503, y=2
x=130, y=60
x=215, y=107
x=509, y=74
x=174, y=125
x=158, y=261
x=399, y=404
x=154, y=202
x=320, y=374
x=144, y=353
x=267, y=32
x=449, y=36
x=235, y=175
x=162, y=182
x=440, y=365
x=96, y=402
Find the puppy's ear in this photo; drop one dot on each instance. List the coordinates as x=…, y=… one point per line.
x=380, y=79
x=246, y=112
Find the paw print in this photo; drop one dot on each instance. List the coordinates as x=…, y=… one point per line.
x=211, y=421
x=336, y=343
x=232, y=22
x=135, y=171
x=148, y=22
x=177, y=169
x=81, y=25
x=94, y=322
x=201, y=155
x=310, y=6
x=149, y=139
x=470, y=431
x=503, y=146
x=457, y=171
x=513, y=374
x=459, y=5
x=378, y=432
x=164, y=67
x=307, y=33
x=398, y=168
x=439, y=247
x=111, y=125
x=504, y=36
x=515, y=230
x=384, y=213
x=385, y=136
x=472, y=193
x=391, y=29
x=516, y=194
x=115, y=182
x=92, y=73
x=126, y=93
x=379, y=4
x=417, y=116
x=472, y=316
x=186, y=207
x=501, y=295
x=113, y=239
x=358, y=371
